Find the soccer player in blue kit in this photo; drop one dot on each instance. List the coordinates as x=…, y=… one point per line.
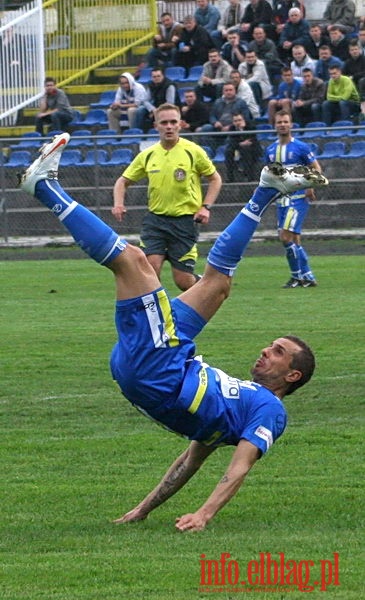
x=292, y=208
x=154, y=360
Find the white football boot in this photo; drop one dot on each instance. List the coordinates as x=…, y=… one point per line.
x=46, y=165
x=290, y=179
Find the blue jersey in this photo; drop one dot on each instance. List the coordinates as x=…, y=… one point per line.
x=294, y=153
x=155, y=365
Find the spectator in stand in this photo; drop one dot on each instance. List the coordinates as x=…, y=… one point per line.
x=194, y=44
x=301, y=61
x=164, y=42
x=243, y=152
x=340, y=12
x=231, y=19
x=308, y=106
x=244, y=91
x=216, y=72
x=254, y=72
x=288, y=92
x=281, y=13
x=265, y=50
x=129, y=96
x=317, y=39
x=207, y=15
x=339, y=44
x=160, y=91
x=257, y=13
x=234, y=50
x=354, y=67
x=55, y=108
x=361, y=38
x=221, y=115
x=325, y=61
x=295, y=31
x=194, y=113
x=342, y=98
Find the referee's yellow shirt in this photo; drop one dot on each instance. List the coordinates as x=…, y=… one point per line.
x=174, y=185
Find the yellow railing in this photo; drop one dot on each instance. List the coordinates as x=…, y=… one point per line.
x=82, y=35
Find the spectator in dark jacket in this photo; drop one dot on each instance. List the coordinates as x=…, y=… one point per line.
x=339, y=43
x=265, y=50
x=281, y=13
x=311, y=95
x=194, y=113
x=257, y=12
x=354, y=66
x=194, y=45
x=317, y=38
x=164, y=42
x=159, y=90
x=222, y=111
x=326, y=60
x=295, y=31
x=340, y=12
x=244, y=147
x=234, y=50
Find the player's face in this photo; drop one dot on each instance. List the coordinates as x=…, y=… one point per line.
x=168, y=125
x=283, y=124
x=273, y=365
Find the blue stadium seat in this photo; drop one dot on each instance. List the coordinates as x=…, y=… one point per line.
x=131, y=136
x=122, y=156
x=268, y=132
x=144, y=75
x=32, y=140
x=70, y=158
x=19, y=159
x=105, y=137
x=357, y=150
x=194, y=73
x=94, y=157
x=84, y=136
x=95, y=116
x=314, y=148
x=175, y=73
x=220, y=154
x=105, y=100
x=332, y=150
x=209, y=151
x=337, y=133
x=314, y=134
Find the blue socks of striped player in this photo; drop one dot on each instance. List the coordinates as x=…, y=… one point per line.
x=232, y=242
x=306, y=272
x=93, y=236
x=292, y=257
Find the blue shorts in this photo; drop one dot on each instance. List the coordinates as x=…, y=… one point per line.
x=292, y=217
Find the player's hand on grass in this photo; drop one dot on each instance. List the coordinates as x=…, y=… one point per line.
x=191, y=522
x=133, y=515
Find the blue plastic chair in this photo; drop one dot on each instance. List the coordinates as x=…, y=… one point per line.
x=70, y=158
x=19, y=159
x=336, y=133
x=175, y=73
x=105, y=100
x=332, y=150
x=131, y=136
x=220, y=154
x=194, y=73
x=95, y=116
x=85, y=138
x=314, y=134
x=357, y=150
x=268, y=132
x=94, y=157
x=107, y=137
x=31, y=140
x=209, y=151
x=123, y=156
x=145, y=75
x=314, y=148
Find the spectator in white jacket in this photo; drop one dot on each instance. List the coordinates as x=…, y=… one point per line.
x=129, y=96
x=301, y=60
x=245, y=92
x=254, y=71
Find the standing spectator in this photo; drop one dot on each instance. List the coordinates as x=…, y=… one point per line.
x=174, y=167
x=129, y=96
x=244, y=91
x=340, y=12
x=254, y=71
x=194, y=45
x=292, y=208
x=342, y=98
x=288, y=92
x=308, y=106
x=257, y=13
x=243, y=152
x=207, y=15
x=354, y=67
x=301, y=61
x=338, y=43
x=160, y=90
x=164, y=42
x=194, y=113
x=231, y=19
x=265, y=50
x=317, y=38
x=295, y=31
x=55, y=108
x=325, y=61
x=281, y=13
x=221, y=114
x=234, y=50
x=216, y=72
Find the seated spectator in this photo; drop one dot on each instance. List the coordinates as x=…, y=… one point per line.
x=129, y=96
x=340, y=12
x=354, y=66
x=301, y=61
x=194, y=44
x=308, y=106
x=234, y=50
x=257, y=13
x=254, y=71
x=317, y=38
x=243, y=152
x=55, y=108
x=207, y=15
x=281, y=13
x=230, y=21
x=342, y=98
x=159, y=90
x=339, y=44
x=265, y=50
x=216, y=72
x=194, y=113
x=325, y=61
x=244, y=91
x=222, y=111
x=288, y=92
x=361, y=38
x=295, y=31
x=164, y=42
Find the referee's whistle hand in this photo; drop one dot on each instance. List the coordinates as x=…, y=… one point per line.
x=118, y=212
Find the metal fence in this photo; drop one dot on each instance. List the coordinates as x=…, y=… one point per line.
x=340, y=207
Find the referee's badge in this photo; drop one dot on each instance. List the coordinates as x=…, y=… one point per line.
x=180, y=174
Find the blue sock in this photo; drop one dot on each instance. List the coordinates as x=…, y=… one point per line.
x=232, y=242
x=96, y=238
x=292, y=257
x=304, y=264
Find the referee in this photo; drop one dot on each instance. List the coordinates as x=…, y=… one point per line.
x=174, y=167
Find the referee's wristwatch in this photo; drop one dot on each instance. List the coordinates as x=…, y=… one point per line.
x=207, y=206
